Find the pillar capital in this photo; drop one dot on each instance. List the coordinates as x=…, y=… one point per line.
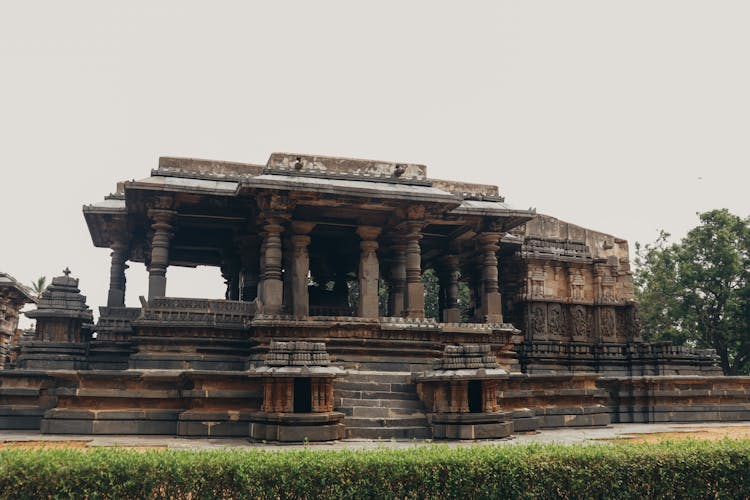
x=368, y=232
x=300, y=241
x=161, y=215
x=302, y=227
x=489, y=241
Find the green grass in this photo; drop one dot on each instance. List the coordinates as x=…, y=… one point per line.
x=684, y=469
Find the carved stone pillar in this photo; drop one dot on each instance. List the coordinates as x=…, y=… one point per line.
x=449, y=284
x=369, y=272
x=287, y=274
x=300, y=268
x=271, y=286
x=398, y=281
x=116, y=295
x=492, y=309
x=249, y=267
x=414, y=300
x=261, y=266
x=230, y=271
x=157, y=272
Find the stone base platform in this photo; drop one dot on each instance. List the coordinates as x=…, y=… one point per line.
x=21, y=417
x=297, y=427
x=214, y=423
x=678, y=399
x=548, y=401
x=134, y=421
x=471, y=425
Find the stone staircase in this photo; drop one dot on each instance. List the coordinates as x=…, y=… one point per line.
x=381, y=405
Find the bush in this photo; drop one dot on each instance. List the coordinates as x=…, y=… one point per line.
x=684, y=469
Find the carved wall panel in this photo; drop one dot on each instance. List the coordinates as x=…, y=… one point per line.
x=556, y=325
x=580, y=319
x=537, y=321
x=607, y=327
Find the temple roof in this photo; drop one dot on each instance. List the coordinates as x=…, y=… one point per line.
x=345, y=192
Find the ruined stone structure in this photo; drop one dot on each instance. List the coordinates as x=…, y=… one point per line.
x=13, y=297
x=323, y=331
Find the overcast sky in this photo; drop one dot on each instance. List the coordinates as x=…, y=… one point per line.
x=625, y=117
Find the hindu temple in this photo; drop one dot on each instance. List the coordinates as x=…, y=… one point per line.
x=363, y=300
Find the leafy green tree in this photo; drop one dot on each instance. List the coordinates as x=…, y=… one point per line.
x=697, y=291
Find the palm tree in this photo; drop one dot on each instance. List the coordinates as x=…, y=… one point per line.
x=39, y=285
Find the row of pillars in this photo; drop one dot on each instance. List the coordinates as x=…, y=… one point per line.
x=267, y=284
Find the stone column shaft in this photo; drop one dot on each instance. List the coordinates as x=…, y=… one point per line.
x=271, y=285
x=414, y=301
x=116, y=295
x=300, y=270
x=369, y=272
x=157, y=273
x=396, y=298
x=451, y=313
x=491, y=301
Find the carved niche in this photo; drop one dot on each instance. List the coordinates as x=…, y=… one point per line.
x=537, y=283
x=576, y=284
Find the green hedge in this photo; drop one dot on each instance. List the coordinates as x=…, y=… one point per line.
x=668, y=470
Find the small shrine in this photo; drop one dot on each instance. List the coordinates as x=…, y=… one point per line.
x=297, y=395
x=461, y=391
x=64, y=324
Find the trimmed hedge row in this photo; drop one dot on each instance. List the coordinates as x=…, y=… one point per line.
x=685, y=469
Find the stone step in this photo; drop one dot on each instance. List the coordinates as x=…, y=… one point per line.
x=415, y=404
x=393, y=412
x=375, y=395
x=375, y=387
x=380, y=377
x=414, y=420
x=417, y=432
x=370, y=412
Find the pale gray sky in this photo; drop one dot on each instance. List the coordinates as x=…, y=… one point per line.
x=625, y=117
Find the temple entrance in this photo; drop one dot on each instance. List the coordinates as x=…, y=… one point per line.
x=475, y=396
x=302, y=395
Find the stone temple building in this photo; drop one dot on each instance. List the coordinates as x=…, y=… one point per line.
x=324, y=333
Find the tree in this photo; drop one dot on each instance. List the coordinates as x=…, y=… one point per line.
x=39, y=285
x=697, y=291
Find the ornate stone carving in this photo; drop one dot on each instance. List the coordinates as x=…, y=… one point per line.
x=537, y=283
x=581, y=321
x=607, y=322
x=555, y=325
x=538, y=321
x=576, y=285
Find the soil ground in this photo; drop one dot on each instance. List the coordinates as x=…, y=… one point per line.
x=648, y=433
